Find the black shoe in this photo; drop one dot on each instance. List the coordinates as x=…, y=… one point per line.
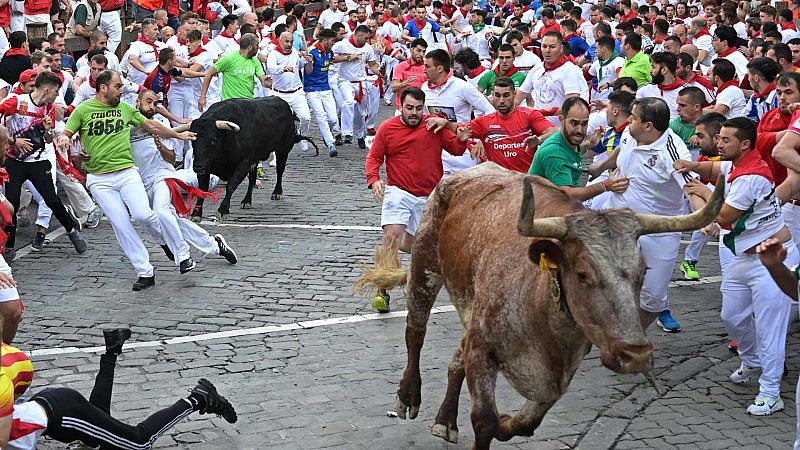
x=338, y=140
x=74, y=217
x=362, y=143
x=212, y=402
x=115, y=339
x=10, y=253
x=38, y=242
x=225, y=251
x=187, y=265
x=77, y=241
x=168, y=252
x=143, y=283
x=348, y=139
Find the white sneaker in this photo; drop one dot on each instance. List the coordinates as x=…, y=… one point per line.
x=764, y=406
x=274, y=161
x=744, y=374
x=304, y=146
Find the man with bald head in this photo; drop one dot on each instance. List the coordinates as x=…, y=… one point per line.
x=240, y=69
x=701, y=38
x=283, y=65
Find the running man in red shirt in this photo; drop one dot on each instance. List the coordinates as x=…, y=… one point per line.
x=510, y=135
x=413, y=157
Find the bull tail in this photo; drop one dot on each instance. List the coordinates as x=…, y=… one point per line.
x=299, y=138
x=387, y=272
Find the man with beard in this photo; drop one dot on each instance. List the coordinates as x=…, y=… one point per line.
x=239, y=70
x=560, y=159
x=154, y=161
x=115, y=184
x=413, y=159
x=411, y=72
x=665, y=84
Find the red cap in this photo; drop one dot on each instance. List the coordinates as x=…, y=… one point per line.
x=28, y=75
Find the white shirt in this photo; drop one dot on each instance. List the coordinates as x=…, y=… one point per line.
x=740, y=62
x=609, y=76
x=670, y=96
x=391, y=30
x=353, y=70
x=704, y=43
x=741, y=30
x=526, y=61
x=152, y=166
x=455, y=100
x=549, y=89
x=147, y=57
x=329, y=17
x=756, y=195
x=285, y=81
x=226, y=45
x=586, y=31
x=478, y=42
x=655, y=187
x=113, y=61
x=734, y=99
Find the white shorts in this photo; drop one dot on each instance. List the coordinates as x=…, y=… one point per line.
x=7, y=294
x=402, y=208
x=659, y=252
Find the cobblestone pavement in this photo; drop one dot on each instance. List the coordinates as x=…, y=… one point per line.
x=301, y=385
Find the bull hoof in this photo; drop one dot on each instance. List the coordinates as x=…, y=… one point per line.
x=276, y=196
x=246, y=205
x=400, y=408
x=221, y=217
x=197, y=219
x=446, y=432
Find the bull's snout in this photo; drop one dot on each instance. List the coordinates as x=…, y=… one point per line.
x=628, y=358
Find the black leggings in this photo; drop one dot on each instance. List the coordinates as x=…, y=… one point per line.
x=41, y=177
x=70, y=417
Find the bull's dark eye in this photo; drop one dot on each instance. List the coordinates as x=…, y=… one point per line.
x=583, y=277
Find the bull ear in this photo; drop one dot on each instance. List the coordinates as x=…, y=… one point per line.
x=546, y=254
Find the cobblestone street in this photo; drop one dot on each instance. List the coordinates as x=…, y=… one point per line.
x=308, y=365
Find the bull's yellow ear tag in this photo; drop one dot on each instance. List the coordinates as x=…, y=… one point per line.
x=545, y=265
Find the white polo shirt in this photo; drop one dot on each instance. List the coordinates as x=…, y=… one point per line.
x=739, y=62
x=704, y=43
x=284, y=81
x=550, y=88
x=609, y=75
x=353, y=70
x=734, y=99
x=329, y=17
x=670, y=96
x=655, y=187
x=148, y=57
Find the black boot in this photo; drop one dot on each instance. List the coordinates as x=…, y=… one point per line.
x=115, y=338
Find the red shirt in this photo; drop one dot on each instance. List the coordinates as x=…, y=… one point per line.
x=413, y=155
x=769, y=125
x=504, y=137
x=554, y=26
x=448, y=10
x=404, y=71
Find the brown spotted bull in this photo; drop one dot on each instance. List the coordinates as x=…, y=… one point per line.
x=534, y=289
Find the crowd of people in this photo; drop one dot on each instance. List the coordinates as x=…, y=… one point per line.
x=667, y=98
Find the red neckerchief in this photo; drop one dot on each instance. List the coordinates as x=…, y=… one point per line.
x=16, y=52
x=229, y=36
x=507, y=73
x=566, y=38
x=727, y=84
x=352, y=25
x=199, y=50
x=150, y=43
x=751, y=164
x=477, y=71
x=392, y=21
x=726, y=52
x=275, y=41
x=630, y=16
x=17, y=90
x=319, y=47
x=622, y=127
x=788, y=26
x=703, y=81
x=282, y=52
x=444, y=81
x=658, y=40
x=205, y=40
x=181, y=41
x=463, y=12
x=683, y=16
x=352, y=41
x=755, y=35
x=422, y=26
x=701, y=33
x=91, y=83
x=559, y=62
x=765, y=92
x=677, y=84
x=60, y=75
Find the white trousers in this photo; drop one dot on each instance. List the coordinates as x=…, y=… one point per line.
x=659, y=252
x=181, y=102
x=699, y=241
x=177, y=231
x=297, y=101
x=756, y=315
x=373, y=94
x=111, y=24
x=353, y=112
x=323, y=106
x=117, y=193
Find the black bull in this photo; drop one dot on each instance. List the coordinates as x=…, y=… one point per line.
x=233, y=136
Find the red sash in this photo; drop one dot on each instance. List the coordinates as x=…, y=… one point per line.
x=185, y=208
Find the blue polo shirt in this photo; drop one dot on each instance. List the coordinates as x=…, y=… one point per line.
x=317, y=79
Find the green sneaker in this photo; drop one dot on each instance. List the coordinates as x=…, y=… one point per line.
x=689, y=270
x=261, y=174
x=381, y=302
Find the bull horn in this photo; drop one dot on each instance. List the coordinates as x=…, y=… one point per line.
x=698, y=219
x=527, y=225
x=227, y=125
x=182, y=127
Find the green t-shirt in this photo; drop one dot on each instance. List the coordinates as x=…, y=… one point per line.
x=637, y=68
x=557, y=161
x=239, y=75
x=486, y=82
x=684, y=130
x=105, y=133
